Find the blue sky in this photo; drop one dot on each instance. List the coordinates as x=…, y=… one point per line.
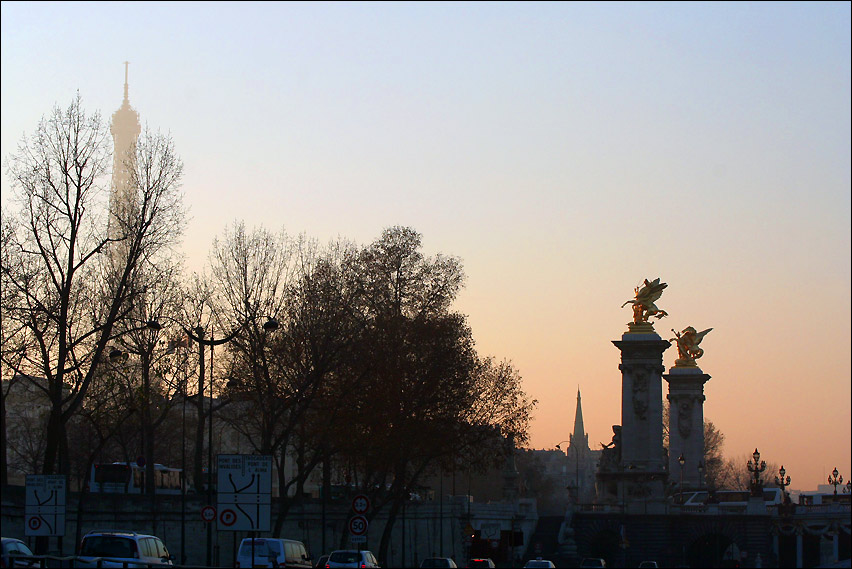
x=564, y=151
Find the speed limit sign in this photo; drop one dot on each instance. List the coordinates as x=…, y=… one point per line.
x=360, y=504
x=208, y=513
x=358, y=525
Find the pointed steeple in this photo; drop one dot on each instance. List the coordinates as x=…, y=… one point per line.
x=579, y=436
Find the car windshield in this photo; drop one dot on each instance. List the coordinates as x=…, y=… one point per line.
x=261, y=548
x=107, y=546
x=537, y=564
x=344, y=557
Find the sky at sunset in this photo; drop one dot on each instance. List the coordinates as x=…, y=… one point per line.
x=563, y=151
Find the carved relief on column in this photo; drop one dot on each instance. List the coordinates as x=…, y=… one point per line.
x=640, y=393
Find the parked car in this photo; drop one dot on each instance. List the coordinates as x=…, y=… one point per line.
x=273, y=552
x=593, y=562
x=321, y=562
x=121, y=549
x=13, y=550
x=351, y=558
x=648, y=565
x=539, y=563
x=480, y=562
x=438, y=563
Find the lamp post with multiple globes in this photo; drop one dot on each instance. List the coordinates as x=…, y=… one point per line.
x=835, y=481
x=756, y=467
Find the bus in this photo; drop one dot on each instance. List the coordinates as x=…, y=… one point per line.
x=129, y=478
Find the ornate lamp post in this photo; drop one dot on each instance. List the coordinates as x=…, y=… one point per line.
x=756, y=469
x=782, y=482
x=681, y=461
x=848, y=488
x=836, y=481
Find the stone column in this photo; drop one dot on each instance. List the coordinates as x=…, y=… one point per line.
x=642, y=401
x=686, y=423
x=641, y=470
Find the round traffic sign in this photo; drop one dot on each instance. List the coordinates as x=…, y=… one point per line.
x=208, y=513
x=360, y=504
x=358, y=525
x=34, y=523
x=228, y=517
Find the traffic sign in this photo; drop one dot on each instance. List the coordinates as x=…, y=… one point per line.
x=360, y=504
x=245, y=492
x=228, y=518
x=358, y=525
x=358, y=538
x=208, y=513
x=44, y=509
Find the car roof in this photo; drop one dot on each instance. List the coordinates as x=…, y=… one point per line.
x=271, y=538
x=123, y=533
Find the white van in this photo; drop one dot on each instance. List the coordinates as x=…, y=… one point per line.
x=272, y=552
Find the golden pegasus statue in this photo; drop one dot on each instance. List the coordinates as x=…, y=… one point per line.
x=687, y=345
x=646, y=296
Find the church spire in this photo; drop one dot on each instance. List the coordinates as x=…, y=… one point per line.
x=579, y=437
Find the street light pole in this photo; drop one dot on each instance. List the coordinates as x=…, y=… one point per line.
x=835, y=481
x=756, y=469
x=782, y=483
x=681, y=461
x=198, y=336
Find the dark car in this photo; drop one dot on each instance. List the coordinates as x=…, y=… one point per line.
x=480, y=562
x=438, y=563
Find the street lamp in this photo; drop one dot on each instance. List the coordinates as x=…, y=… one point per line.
x=681, y=461
x=700, y=474
x=756, y=469
x=576, y=468
x=198, y=336
x=836, y=481
x=783, y=482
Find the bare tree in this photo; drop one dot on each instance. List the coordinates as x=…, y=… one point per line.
x=735, y=475
x=84, y=274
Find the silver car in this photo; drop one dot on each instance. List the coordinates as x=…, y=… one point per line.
x=121, y=549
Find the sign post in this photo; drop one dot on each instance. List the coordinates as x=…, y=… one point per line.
x=244, y=492
x=44, y=510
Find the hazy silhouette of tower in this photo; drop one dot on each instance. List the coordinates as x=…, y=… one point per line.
x=125, y=131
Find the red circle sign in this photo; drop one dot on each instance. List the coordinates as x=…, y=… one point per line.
x=228, y=517
x=208, y=513
x=358, y=525
x=360, y=504
x=34, y=523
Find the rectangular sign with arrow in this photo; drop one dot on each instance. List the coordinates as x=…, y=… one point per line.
x=44, y=510
x=244, y=492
